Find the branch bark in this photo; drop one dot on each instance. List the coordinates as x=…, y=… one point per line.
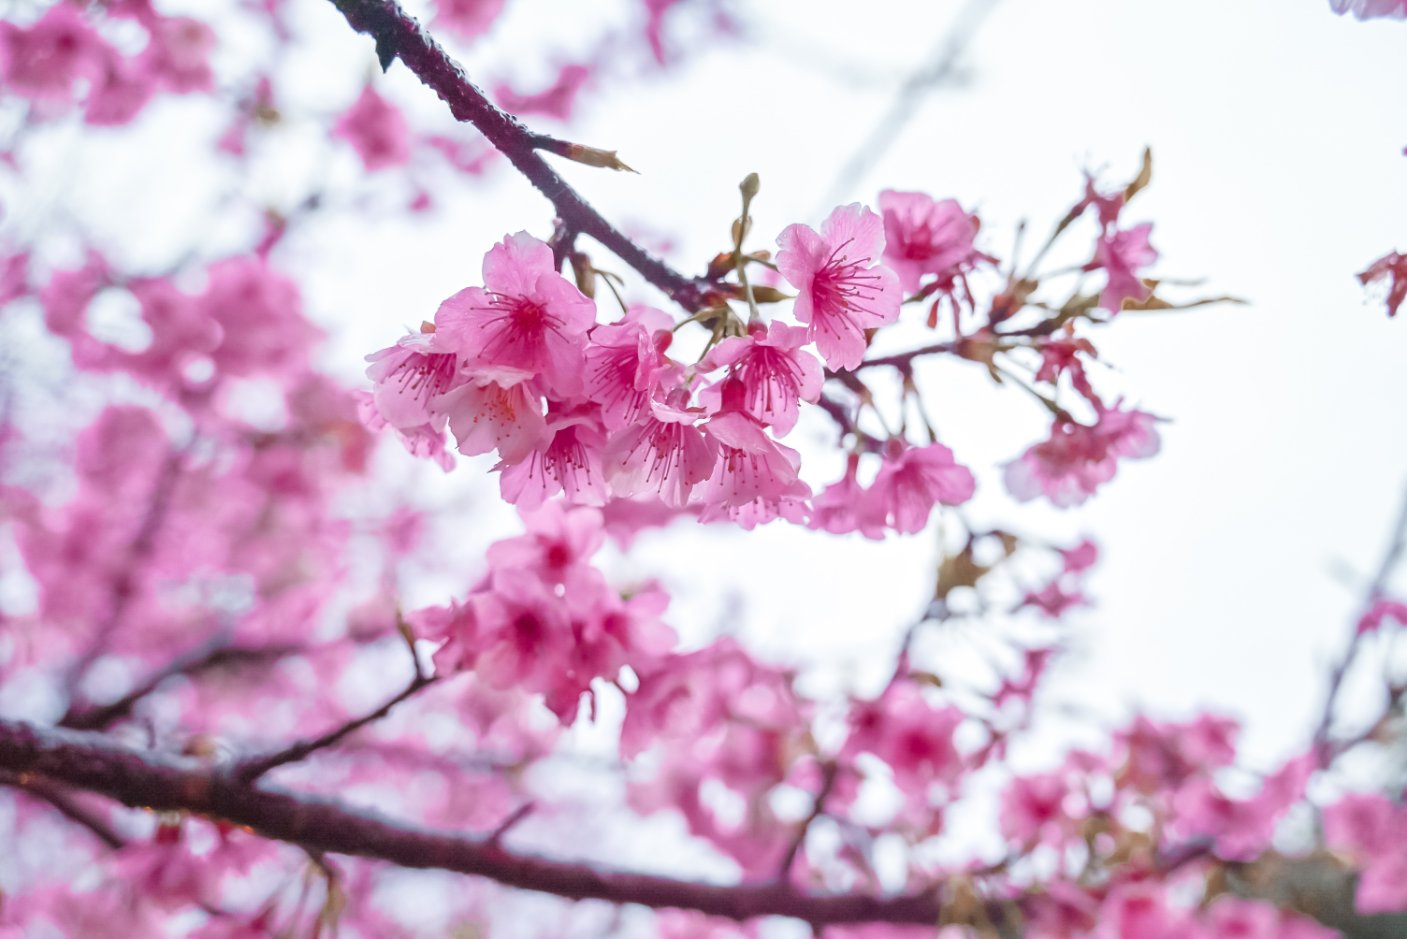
x=159, y=782
x=399, y=36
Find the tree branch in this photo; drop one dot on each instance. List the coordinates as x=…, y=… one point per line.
x=164, y=783
x=400, y=36
x=66, y=805
x=209, y=659
x=247, y=771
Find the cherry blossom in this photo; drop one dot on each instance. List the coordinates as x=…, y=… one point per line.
x=376, y=129
x=843, y=289
x=527, y=317
x=914, y=479
x=775, y=372
x=1078, y=458
x=924, y=236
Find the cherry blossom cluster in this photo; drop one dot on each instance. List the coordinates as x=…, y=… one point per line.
x=520, y=367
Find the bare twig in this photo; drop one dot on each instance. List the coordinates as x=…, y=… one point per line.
x=66, y=805
x=399, y=36
x=211, y=658
x=1391, y=558
x=249, y=770
x=939, y=65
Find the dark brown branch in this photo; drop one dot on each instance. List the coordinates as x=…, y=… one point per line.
x=165, y=783
x=66, y=805
x=399, y=36
x=247, y=771
x=211, y=658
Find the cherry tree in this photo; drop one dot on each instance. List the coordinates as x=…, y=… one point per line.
x=261, y=675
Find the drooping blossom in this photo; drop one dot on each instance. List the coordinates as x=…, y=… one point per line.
x=120, y=93
x=1121, y=254
x=1240, y=828
x=409, y=377
x=626, y=365
x=376, y=129
x=1078, y=458
x=755, y=478
x=1390, y=269
x=526, y=317
x=842, y=507
x=775, y=373
x=1371, y=9
x=914, y=479
x=923, y=236
x=843, y=290
x=467, y=19
x=663, y=453
x=566, y=460
x=496, y=409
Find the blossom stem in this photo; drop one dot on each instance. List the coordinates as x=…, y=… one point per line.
x=399, y=36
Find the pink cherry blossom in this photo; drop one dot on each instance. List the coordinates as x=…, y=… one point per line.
x=566, y=460
x=914, y=479
x=923, y=236
x=1121, y=254
x=776, y=374
x=626, y=365
x=527, y=317
x=467, y=19
x=1077, y=458
x=410, y=377
x=122, y=90
x=752, y=472
x=556, y=100
x=911, y=735
x=1382, y=610
x=1370, y=9
x=496, y=410
x=663, y=453
x=178, y=53
x=376, y=129
x=843, y=506
x=1372, y=830
x=1033, y=808
x=45, y=60
x=1234, y=918
x=843, y=290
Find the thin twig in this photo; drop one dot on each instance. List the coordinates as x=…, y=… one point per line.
x=247, y=771
x=66, y=805
x=1391, y=558
x=944, y=58
x=400, y=36
x=211, y=658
